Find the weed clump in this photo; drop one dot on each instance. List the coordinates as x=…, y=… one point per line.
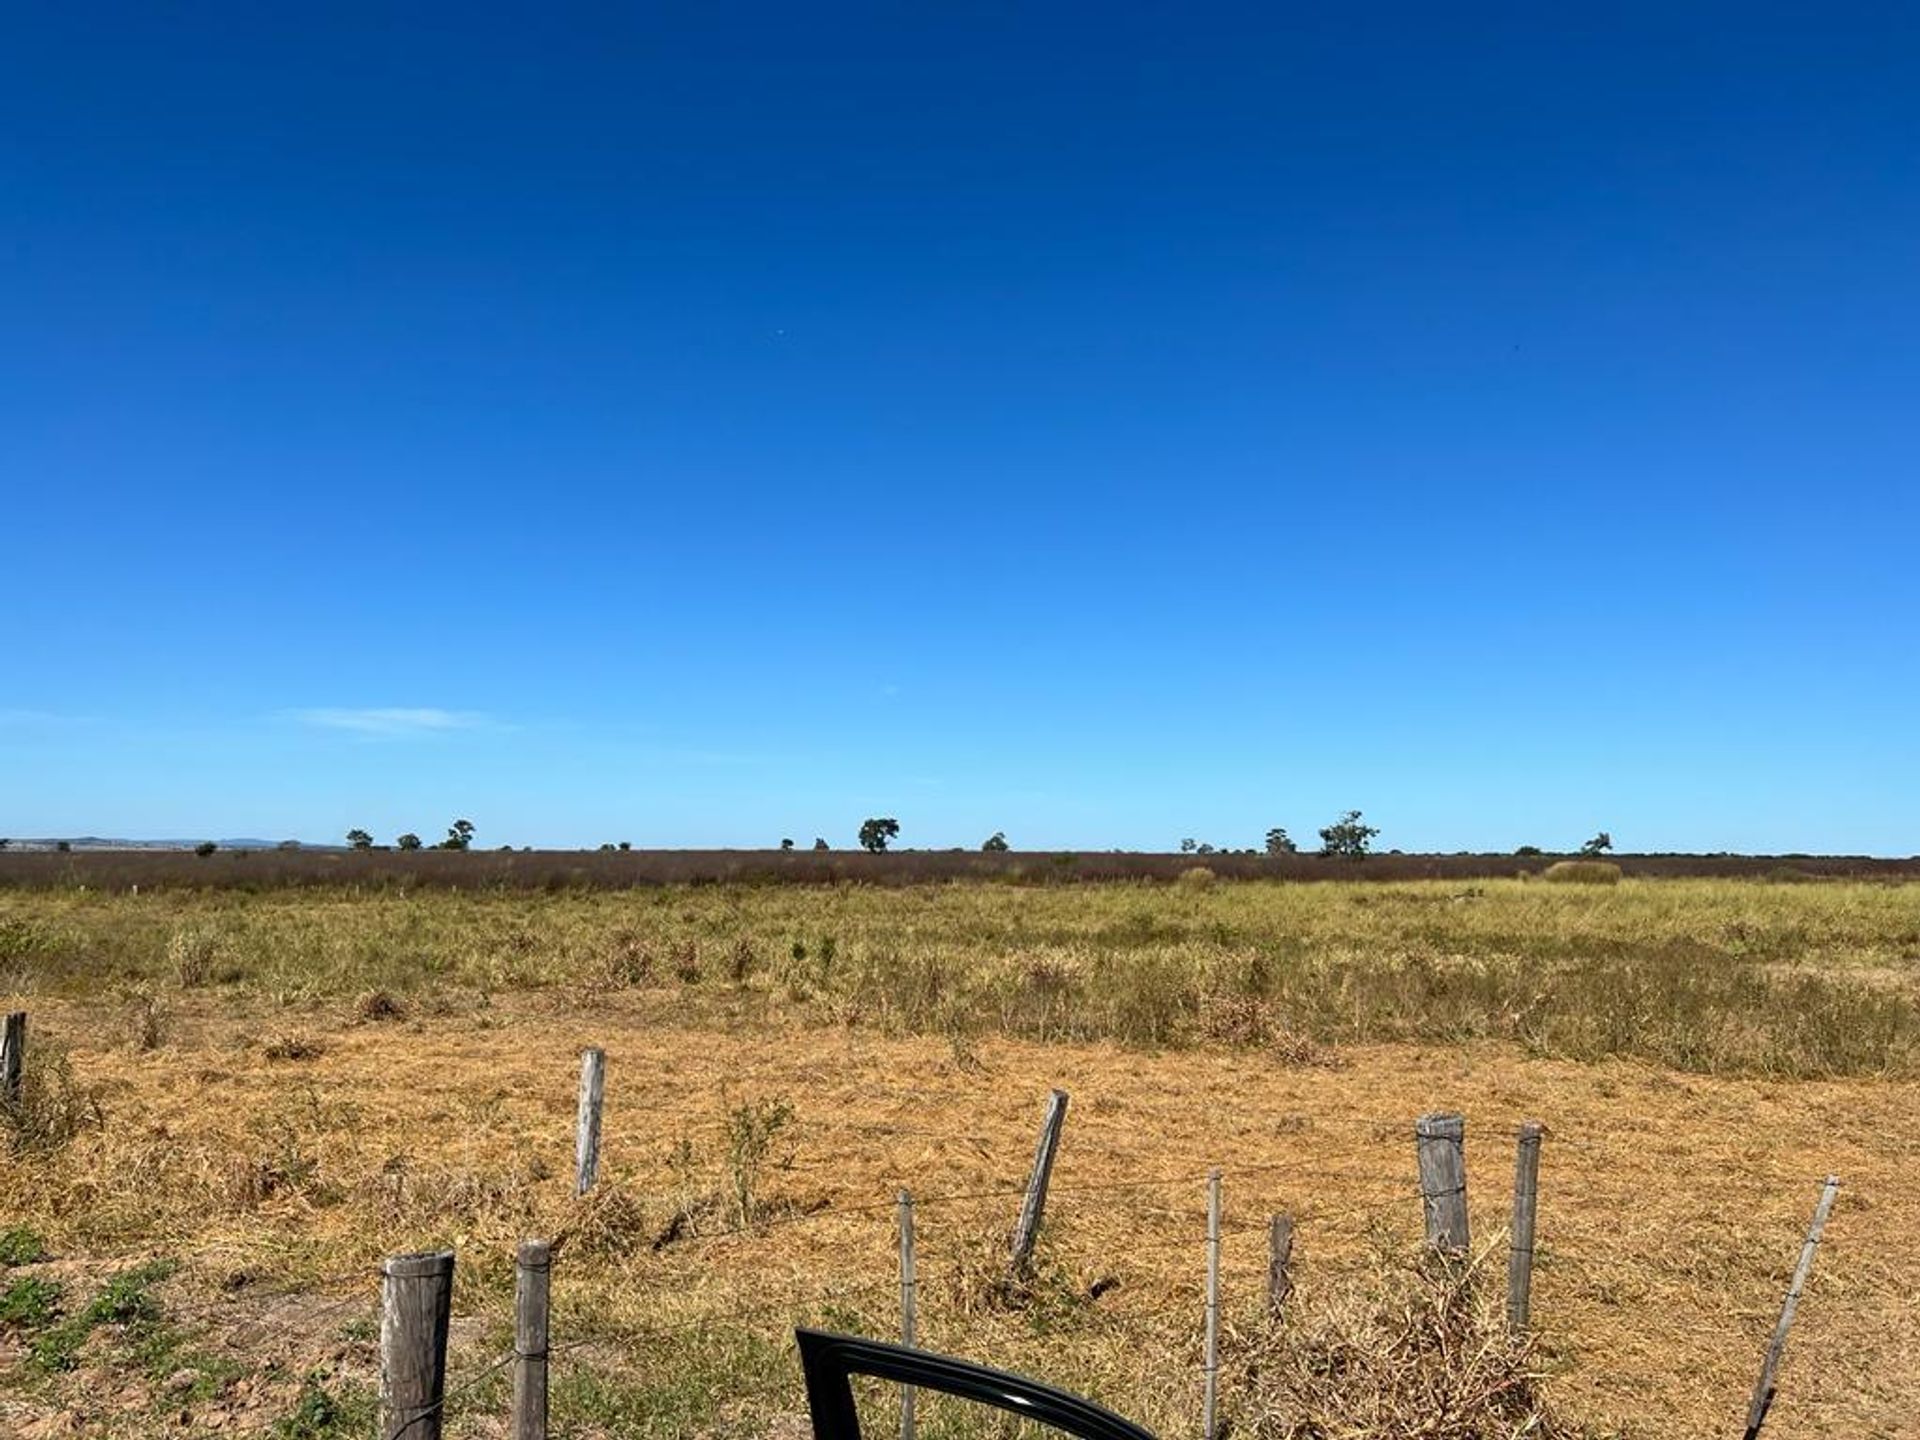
x=1425, y=1353
x=53, y=1107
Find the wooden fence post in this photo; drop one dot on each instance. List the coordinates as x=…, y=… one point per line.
x=533, y=1271
x=1279, y=1264
x=1763, y=1391
x=13, y=1057
x=1441, y=1140
x=416, y=1295
x=909, y=1307
x=1033, y=1209
x=1526, y=1193
x=1210, y=1395
x=593, y=1094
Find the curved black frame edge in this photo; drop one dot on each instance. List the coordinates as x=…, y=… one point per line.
x=829, y=1362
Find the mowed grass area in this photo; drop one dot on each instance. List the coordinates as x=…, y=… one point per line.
x=245, y=1101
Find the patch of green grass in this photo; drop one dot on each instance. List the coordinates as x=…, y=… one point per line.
x=327, y=1409
x=29, y=1304
x=724, y=1385
x=123, y=1301
x=20, y=1245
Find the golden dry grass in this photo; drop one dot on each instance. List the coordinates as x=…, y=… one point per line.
x=1670, y=1214
x=346, y=1077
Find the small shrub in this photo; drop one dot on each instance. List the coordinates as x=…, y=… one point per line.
x=1427, y=1354
x=752, y=1129
x=375, y=1006
x=192, y=955
x=628, y=962
x=1197, y=877
x=293, y=1047
x=147, y=1023
x=53, y=1106
x=686, y=962
x=1583, y=872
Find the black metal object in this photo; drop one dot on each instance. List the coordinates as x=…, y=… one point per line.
x=831, y=1361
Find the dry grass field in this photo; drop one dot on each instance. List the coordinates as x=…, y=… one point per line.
x=239, y=1102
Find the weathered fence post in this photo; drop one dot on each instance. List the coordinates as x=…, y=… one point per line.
x=1526, y=1190
x=1279, y=1264
x=416, y=1296
x=1210, y=1395
x=13, y=1057
x=593, y=1094
x=909, y=1307
x=1763, y=1391
x=533, y=1271
x=1033, y=1208
x=1442, y=1143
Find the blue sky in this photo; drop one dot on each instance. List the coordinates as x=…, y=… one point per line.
x=1102, y=424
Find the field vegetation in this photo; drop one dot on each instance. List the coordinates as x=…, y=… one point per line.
x=238, y=1101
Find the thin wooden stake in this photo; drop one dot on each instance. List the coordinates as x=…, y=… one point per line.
x=909, y=1306
x=1033, y=1208
x=533, y=1272
x=1279, y=1264
x=586, y=1144
x=1526, y=1194
x=416, y=1296
x=1441, y=1141
x=1209, y=1400
x=13, y=1057
x=1763, y=1391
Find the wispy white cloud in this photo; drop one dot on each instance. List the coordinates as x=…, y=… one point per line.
x=392, y=721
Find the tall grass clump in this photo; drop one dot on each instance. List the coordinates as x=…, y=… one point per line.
x=53, y=1105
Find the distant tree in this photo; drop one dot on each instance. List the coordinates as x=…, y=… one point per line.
x=5, y=843
x=1348, y=836
x=359, y=839
x=205, y=847
x=459, y=836
x=996, y=842
x=877, y=833
x=408, y=841
x=626, y=845
x=1203, y=848
x=606, y=847
x=1529, y=850
x=1189, y=845
x=1279, y=843
x=288, y=845
x=786, y=842
x=1598, y=845
x=820, y=844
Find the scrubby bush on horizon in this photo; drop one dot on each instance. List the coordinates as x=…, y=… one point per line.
x=1348, y=836
x=876, y=833
x=1280, y=843
x=360, y=839
x=1598, y=845
x=996, y=842
x=205, y=847
x=408, y=841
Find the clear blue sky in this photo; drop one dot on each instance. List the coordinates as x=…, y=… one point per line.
x=696, y=425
